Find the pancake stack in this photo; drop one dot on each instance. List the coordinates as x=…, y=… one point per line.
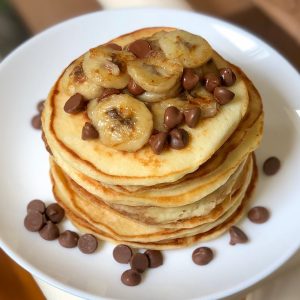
x=147, y=147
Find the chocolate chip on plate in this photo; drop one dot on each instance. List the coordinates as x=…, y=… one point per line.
x=140, y=48
x=158, y=142
x=36, y=205
x=172, y=117
x=258, y=214
x=271, y=165
x=68, y=239
x=223, y=95
x=134, y=88
x=131, y=277
x=189, y=79
x=211, y=81
x=49, y=232
x=228, y=76
x=40, y=106
x=237, y=236
x=89, y=132
x=192, y=116
x=114, y=46
x=179, y=138
x=122, y=254
x=202, y=256
x=75, y=104
x=108, y=92
x=36, y=122
x=34, y=221
x=139, y=262
x=55, y=213
x=155, y=258
x=87, y=244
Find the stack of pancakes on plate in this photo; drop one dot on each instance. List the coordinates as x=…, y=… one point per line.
x=127, y=193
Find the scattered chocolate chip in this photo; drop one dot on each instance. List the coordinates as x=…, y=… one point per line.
x=114, y=46
x=155, y=258
x=202, y=256
x=271, y=166
x=223, y=95
x=34, y=221
x=192, y=116
x=134, y=88
x=68, y=239
x=211, y=81
x=179, y=138
x=228, y=76
x=158, y=142
x=140, y=48
x=122, y=254
x=87, y=243
x=75, y=104
x=40, y=106
x=139, y=262
x=131, y=277
x=89, y=132
x=173, y=117
x=189, y=79
x=55, y=213
x=258, y=214
x=49, y=232
x=36, y=205
x=36, y=122
x=46, y=144
x=237, y=236
x=108, y=92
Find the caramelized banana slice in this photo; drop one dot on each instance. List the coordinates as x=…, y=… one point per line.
x=123, y=122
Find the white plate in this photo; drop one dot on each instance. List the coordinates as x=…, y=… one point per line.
x=27, y=75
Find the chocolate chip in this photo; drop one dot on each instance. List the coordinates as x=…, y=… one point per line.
x=140, y=48
x=223, y=95
x=89, y=132
x=189, y=79
x=173, y=117
x=40, y=106
x=271, y=166
x=139, y=262
x=36, y=122
x=192, y=116
x=114, y=46
x=68, y=239
x=237, y=236
x=122, y=254
x=179, y=138
x=108, y=92
x=258, y=214
x=36, y=205
x=55, y=213
x=131, y=277
x=49, y=232
x=202, y=256
x=34, y=221
x=228, y=77
x=75, y=104
x=155, y=258
x=87, y=243
x=211, y=81
x=158, y=142
x=134, y=88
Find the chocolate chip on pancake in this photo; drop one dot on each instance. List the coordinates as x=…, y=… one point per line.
x=228, y=76
x=68, y=239
x=192, y=116
x=202, y=256
x=140, y=48
x=108, y=92
x=173, y=117
x=49, y=232
x=87, y=244
x=89, y=132
x=55, y=212
x=36, y=205
x=40, y=106
x=258, y=214
x=155, y=258
x=158, y=142
x=223, y=95
x=34, y=221
x=189, y=79
x=139, y=262
x=114, y=46
x=131, y=277
x=211, y=81
x=75, y=104
x=122, y=254
x=134, y=88
x=271, y=165
x=237, y=236
x=179, y=138
x=36, y=122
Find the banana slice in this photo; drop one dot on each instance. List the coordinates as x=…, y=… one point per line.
x=191, y=50
x=123, y=122
x=107, y=67
x=155, y=73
